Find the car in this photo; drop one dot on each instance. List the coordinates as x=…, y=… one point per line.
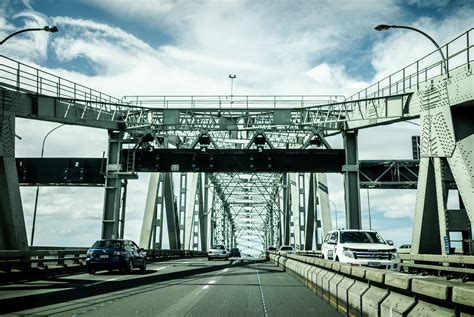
x=234, y=252
x=271, y=249
x=360, y=247
x=115, y=254
x=404, y=248
x=217, y=251
x=286, y=249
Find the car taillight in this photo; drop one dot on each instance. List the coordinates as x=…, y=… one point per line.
x=118, y=253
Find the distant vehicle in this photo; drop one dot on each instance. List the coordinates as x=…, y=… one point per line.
x=271, y=249
x=217, y=251
x=113, y=254
x=404, y=248
x=286, y=249
x=234, y=252
x=360, y=247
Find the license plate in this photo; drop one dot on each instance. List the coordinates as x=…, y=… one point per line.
x=376, y=264
x=104, y=256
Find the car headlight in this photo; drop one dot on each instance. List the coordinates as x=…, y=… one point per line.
x=89, y=253
x=118, y=253
x=395, y=256
x=347, y=253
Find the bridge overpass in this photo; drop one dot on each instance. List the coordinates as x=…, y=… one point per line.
x=263, y=195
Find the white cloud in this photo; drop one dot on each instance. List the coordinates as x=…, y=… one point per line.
x=273, y=47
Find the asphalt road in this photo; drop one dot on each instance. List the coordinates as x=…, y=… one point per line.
x=188, y=287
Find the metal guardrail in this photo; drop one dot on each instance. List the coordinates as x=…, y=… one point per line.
x=231, y=102
x=458, y=52
x=41, y=257
x=434, y=264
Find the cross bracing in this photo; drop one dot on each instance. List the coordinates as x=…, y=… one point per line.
x=439, y=92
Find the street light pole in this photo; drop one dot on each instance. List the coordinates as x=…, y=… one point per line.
x=384, y=27
x=232, y=77
x=37, y=187
x=51, y=29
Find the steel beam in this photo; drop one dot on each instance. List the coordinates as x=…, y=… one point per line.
x=12, y=223
x=113, y=188
x=351, y=181
x=232, y=160
x=171, y=212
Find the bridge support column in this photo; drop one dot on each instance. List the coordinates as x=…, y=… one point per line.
x=204, y=215
x=286, y=209
x=351, y=181
x=311, y=214
x=12, y=223
x=113, y=188
x=153, y=216
x=295, y=209
x=194, y=209
x=172, y=220
x=323, y=194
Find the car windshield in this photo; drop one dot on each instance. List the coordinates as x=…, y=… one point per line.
x=220, y=247
x=286, y=248
x=107, y=244
x=361, y=237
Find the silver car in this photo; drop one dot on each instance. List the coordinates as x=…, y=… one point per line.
x=218, y=251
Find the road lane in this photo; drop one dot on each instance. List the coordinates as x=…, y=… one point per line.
x=175, y=288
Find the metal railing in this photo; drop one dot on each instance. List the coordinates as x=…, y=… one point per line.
x=232, y=102
x=458, y=52
x=44, y=257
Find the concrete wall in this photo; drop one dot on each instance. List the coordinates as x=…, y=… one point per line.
x=363, y=291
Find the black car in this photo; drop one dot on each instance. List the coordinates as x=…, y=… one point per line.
x=113, y=254
x=234, y=252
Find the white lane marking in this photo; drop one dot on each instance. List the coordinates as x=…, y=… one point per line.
x=97, y=283
x=261, y=292
x=161, y=268
x=208, y=284
x=225, y=270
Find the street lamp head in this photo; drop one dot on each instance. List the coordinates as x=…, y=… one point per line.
x=232, y=76
x=51, y=29
x=382, y=27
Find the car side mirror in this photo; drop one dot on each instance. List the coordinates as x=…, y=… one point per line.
x=389, y=242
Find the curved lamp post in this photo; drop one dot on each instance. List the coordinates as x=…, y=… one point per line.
x=384, y=27
x=37, y=187
x=51, y=29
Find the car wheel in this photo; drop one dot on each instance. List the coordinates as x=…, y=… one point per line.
x=209, y=259
x=337, y=259
x=227, y=258
x=143, y=268
x=129, y=268
x=91, y=271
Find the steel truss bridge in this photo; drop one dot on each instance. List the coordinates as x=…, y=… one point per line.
x=239, y=169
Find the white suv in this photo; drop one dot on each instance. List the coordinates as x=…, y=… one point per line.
x=360, y=247
x=217, y=251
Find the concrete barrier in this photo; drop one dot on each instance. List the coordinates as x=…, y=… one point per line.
x=343, y=294
x=372, y=299
x=354, y=298
x=363, y=291
x=397, y=305
x=333, y=283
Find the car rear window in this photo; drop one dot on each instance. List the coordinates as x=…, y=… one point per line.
x=286, y=248
x=108, y=244
x=361, y=237
x=217, y=246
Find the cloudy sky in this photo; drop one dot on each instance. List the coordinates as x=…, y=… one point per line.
x=182, y=47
